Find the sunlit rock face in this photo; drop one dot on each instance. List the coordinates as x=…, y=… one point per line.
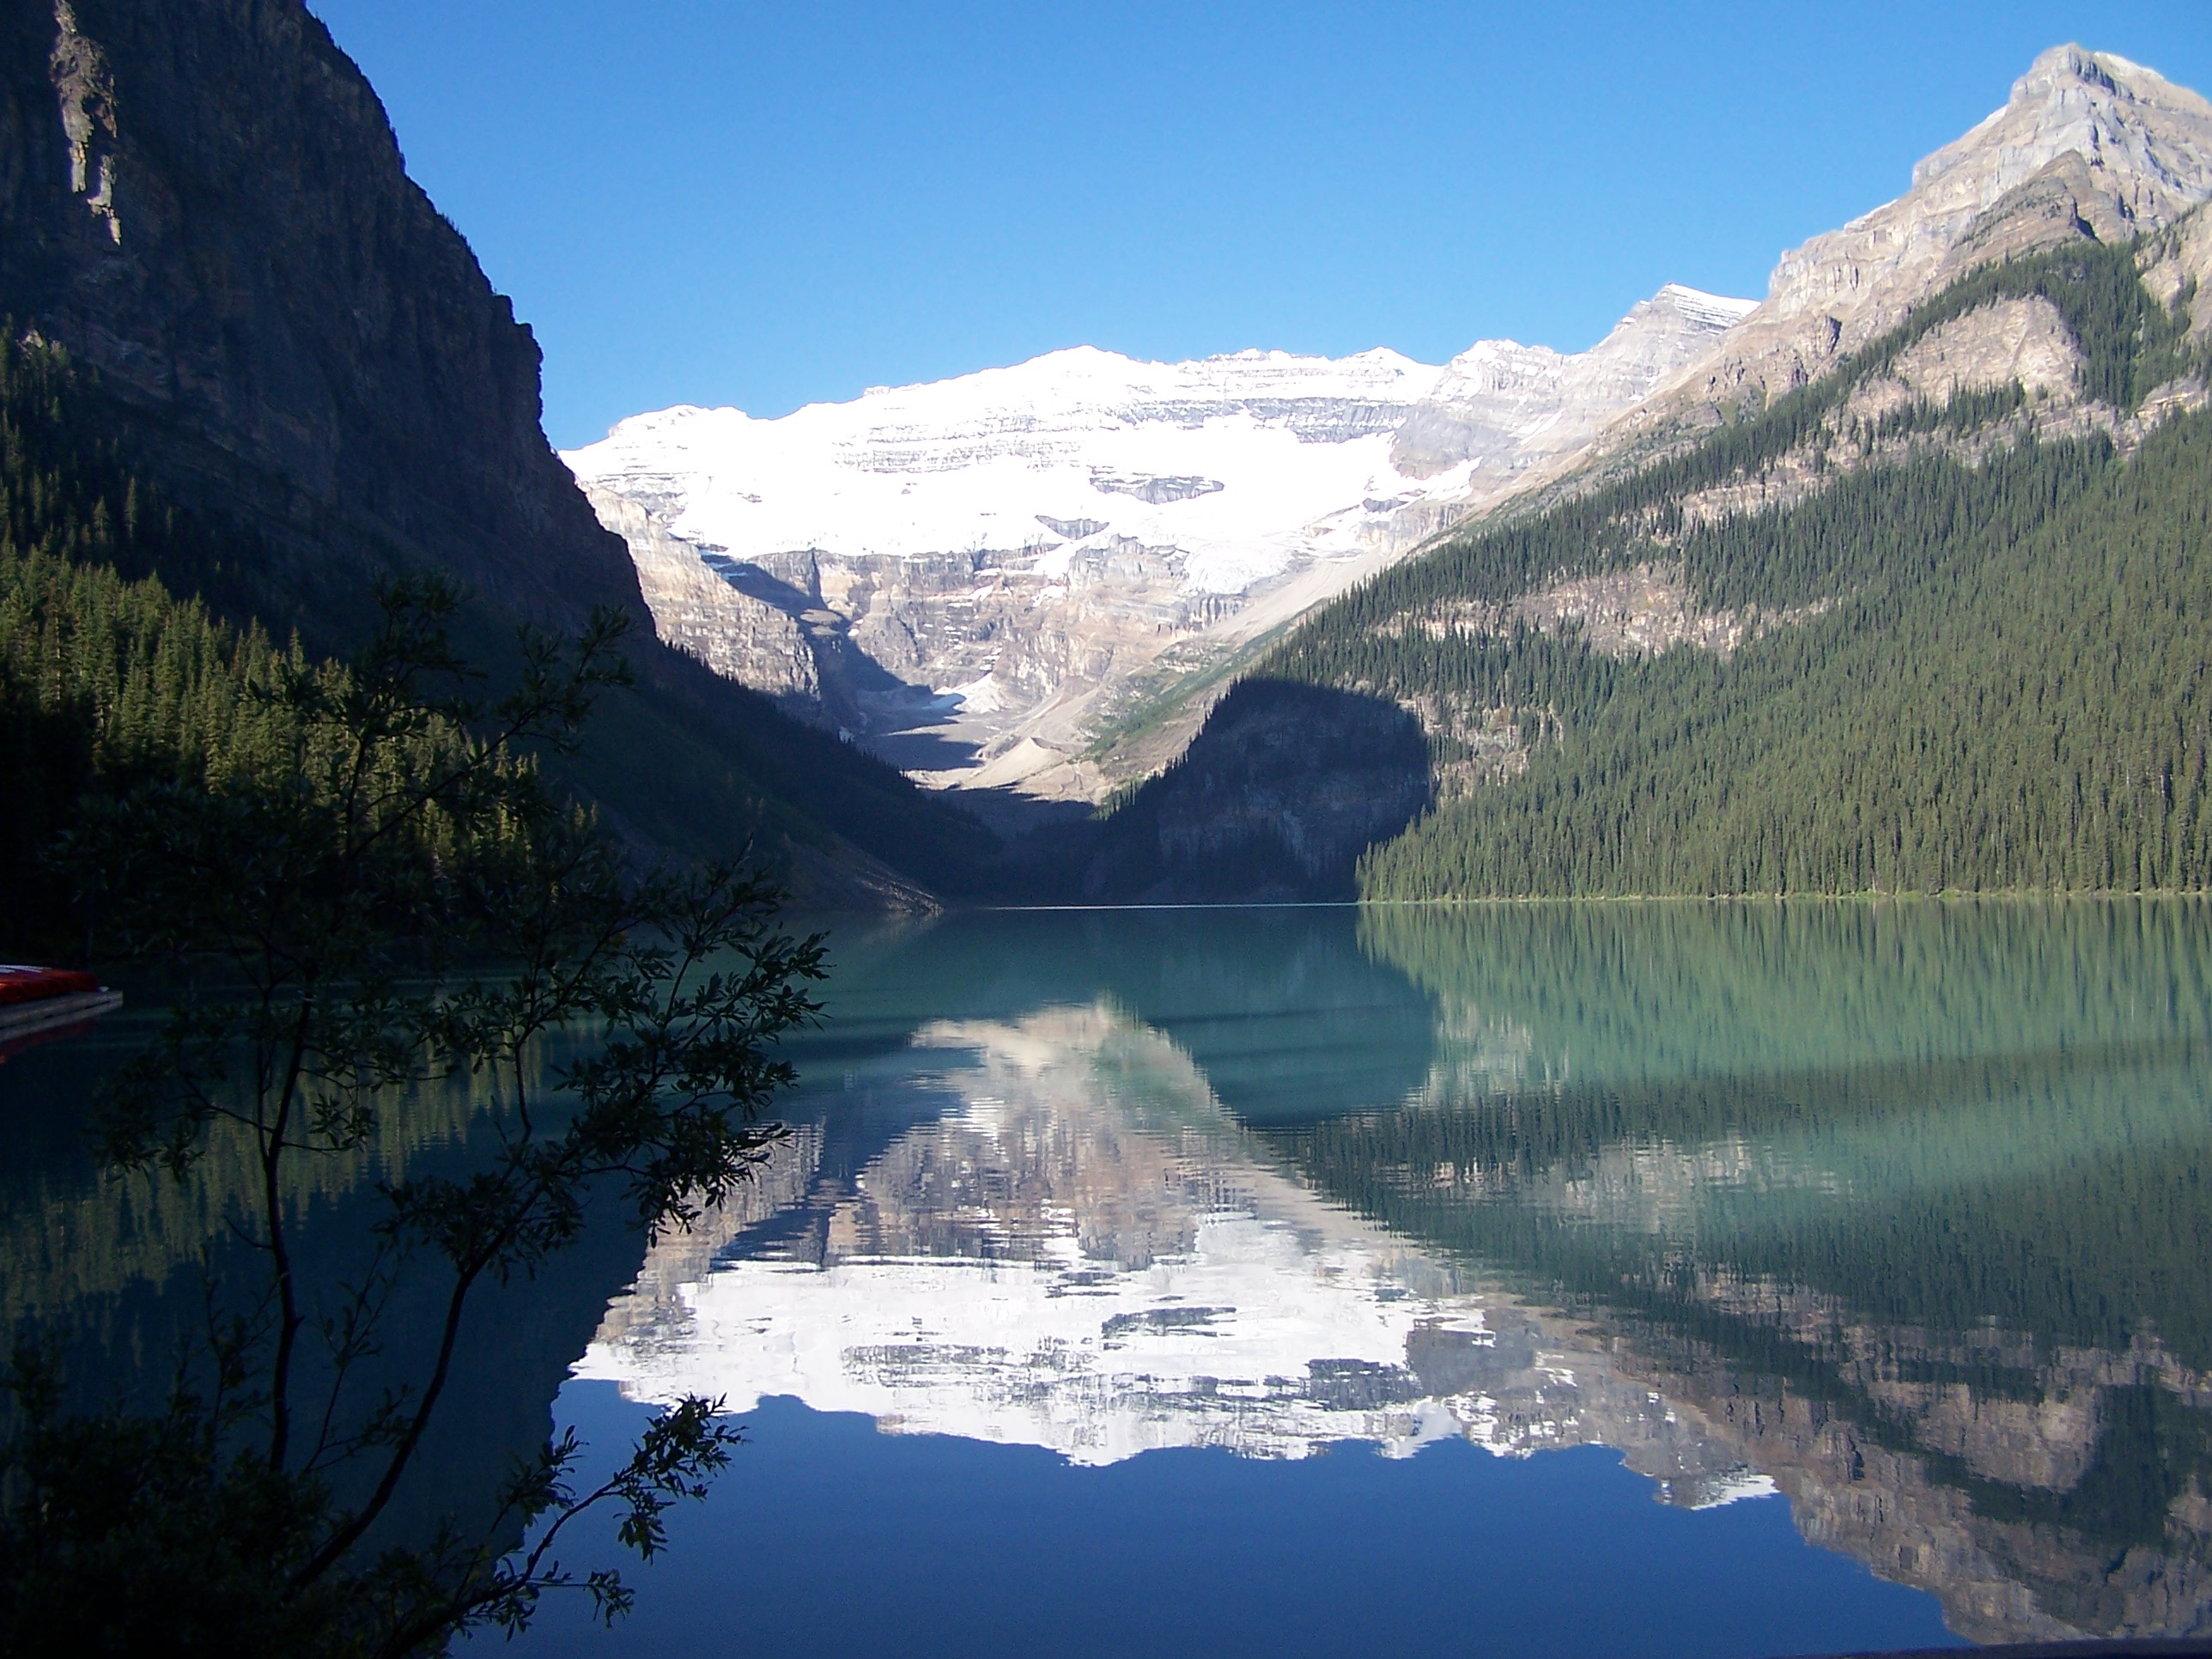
x=1504, y=410
x=2088, y=145
x=999, y=561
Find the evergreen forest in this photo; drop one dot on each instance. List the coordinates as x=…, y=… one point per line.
x=132, y=649
x=106, y=678
x=1974, y=650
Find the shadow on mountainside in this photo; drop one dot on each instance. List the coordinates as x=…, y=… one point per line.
x=1272, y=802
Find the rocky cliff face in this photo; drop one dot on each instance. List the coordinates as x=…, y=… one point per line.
x=1505, y=408
x=2088, y=144
x=204, y=203
x=698, y=611
x=987, y=570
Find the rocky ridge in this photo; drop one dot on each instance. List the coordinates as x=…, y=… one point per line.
x=1513, y=412
x=987, y=569
x=2088, y=145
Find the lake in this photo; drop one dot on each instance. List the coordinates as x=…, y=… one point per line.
x=1619, y=1278
x=1526, y=1280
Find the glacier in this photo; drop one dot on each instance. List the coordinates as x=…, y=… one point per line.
x=973, y=575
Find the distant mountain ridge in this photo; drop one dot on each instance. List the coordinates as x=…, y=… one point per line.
x=2085, y=142
x=974, y=576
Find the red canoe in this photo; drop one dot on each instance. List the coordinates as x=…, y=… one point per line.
x=36, y=984
x=37, y=1003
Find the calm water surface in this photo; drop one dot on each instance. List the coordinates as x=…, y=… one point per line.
x=1591, y=1280
x=1632, y=1279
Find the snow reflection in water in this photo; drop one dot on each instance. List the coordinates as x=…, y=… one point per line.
x=1083, y=1252
x=1063, y=1240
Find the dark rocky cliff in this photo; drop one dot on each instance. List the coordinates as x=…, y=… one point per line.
x=202, y=202
x=1273, y=802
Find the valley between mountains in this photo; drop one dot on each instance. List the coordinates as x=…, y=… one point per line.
x=1891, y=580
x=1894, y=579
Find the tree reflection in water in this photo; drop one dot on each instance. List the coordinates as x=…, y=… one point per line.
x=1899, y=1211
x=1895, y=1210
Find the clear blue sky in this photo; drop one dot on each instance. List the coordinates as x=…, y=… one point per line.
x=705, y=201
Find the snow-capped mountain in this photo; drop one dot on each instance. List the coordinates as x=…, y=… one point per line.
x=990, y=565
x=1229, y=461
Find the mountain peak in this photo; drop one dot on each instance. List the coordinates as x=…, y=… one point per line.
x=1714, y=310
x=2151, y=139
x=2087, y=145
x=2061, y=68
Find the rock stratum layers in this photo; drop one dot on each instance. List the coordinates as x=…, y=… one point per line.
x=2088, y=145
x=985, y=571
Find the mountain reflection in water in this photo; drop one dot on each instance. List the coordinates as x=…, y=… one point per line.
x=1083, y=1252
x=1899, y=1211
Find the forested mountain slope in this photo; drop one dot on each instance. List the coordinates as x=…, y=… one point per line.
x=263, y=322
x=2088, y=145
x=111, y=674
x=1940, y=620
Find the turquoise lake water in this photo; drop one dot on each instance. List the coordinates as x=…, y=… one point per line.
x=1603, y=1279
x=1598, y=1279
